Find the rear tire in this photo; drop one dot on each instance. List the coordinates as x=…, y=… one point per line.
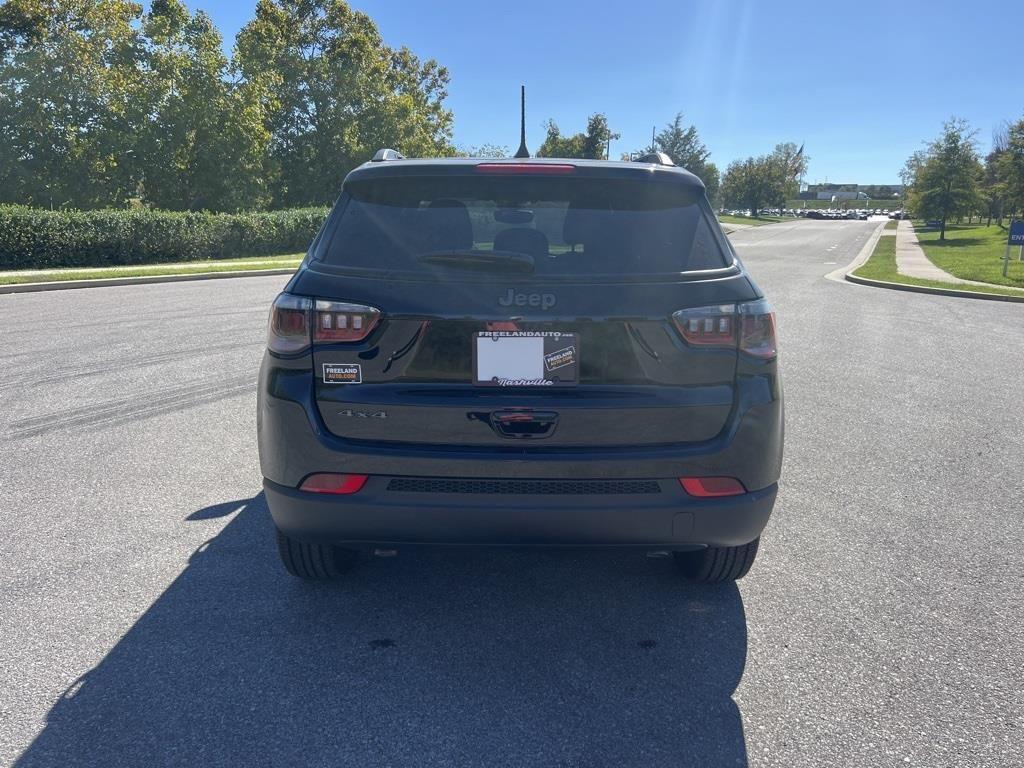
x=315, y=562
x=717, y=564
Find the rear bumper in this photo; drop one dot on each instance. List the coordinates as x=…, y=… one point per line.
x=294, y=442
x=375, y=515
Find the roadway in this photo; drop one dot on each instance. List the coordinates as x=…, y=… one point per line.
x=145, y=620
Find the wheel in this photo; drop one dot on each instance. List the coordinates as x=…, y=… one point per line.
x=314, y=561
x=716, y=564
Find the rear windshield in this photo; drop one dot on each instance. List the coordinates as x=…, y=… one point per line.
x=544, y=226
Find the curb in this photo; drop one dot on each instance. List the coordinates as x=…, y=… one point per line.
x=108, y=282
x=935, y=291
x=862, y=256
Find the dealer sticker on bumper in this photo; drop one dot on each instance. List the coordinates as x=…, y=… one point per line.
x=343, y=373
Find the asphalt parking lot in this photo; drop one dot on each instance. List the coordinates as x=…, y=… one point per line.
x=145, y=620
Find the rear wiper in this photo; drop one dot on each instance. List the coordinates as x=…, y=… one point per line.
x=510, y=261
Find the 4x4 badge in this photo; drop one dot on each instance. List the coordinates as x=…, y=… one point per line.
x=364, y=414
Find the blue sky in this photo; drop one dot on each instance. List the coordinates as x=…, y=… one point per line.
x=862, y=83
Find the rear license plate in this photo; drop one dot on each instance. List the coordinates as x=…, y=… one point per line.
x=526, y=359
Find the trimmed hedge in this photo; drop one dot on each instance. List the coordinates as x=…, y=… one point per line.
x=31, y=238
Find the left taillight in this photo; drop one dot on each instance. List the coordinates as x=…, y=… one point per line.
x=288, y=329
x=296, y=322
x=339, y=321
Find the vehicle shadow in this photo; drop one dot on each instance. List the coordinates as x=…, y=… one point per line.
x=455, y=657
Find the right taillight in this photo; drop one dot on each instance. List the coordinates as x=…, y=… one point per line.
x=748, y=327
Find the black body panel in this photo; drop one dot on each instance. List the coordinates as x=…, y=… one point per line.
x=452, y=459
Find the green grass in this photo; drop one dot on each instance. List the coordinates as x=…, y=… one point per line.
x=973, y=253
x=753, y=222
x=882, y=266
x=892, y=224
x=146, y=270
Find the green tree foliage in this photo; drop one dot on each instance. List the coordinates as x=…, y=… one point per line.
x=557, y=145
x=748, y=184
x=598, y=137
x=68, y=80
x=202, y=139
x=682, y=144
x=766, y=180
x=946, y=183
x=495, y=151
x=788, y=164
x=593, y=144
x=337, y=94
x=712, y=183
x=1009, y=167
x=104, y=105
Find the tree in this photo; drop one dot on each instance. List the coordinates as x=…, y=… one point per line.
x=557, y=145
x=712, y=183
x=484, y=150
x=202, y=139
x=750, y=184
x=1009, y=167
x=336, y=94
x=593, y=144
x=946, y=183
x=68, y=80
x=788, y=164
x=598, y=137
x=758, y=181
x=683, y=145
x=993, y=188
x=909, y=172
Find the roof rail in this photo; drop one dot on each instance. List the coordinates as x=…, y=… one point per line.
x=387, y=154
x=658, y=158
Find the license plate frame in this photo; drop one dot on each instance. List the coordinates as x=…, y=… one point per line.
x=526, y=359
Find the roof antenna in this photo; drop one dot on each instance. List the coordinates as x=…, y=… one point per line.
x=522, y=152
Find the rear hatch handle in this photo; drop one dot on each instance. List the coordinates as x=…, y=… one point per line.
x=524, y=424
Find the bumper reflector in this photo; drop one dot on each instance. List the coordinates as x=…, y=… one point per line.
x=708, y=487
x=329, y=482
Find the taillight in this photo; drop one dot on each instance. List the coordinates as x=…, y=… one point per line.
x=711, y=487
x=288, y=329
x=298, y=321
x=757, y=329
x=338, y=321
x=708, y=326
x=748, y=327
x=337, y=484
